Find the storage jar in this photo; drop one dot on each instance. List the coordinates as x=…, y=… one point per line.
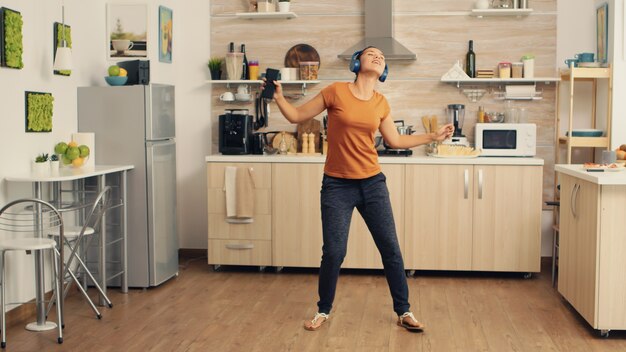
x=516, y=69
x=504, y=69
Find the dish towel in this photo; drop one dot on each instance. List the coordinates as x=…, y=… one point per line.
x=239, y=188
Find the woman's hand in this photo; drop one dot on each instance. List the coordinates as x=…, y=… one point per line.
x=443, y=133
x=278, y=88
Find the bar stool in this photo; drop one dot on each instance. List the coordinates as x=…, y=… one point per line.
x=74, y=237
x=22, y=225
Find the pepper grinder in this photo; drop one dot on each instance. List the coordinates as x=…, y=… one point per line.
x=311, y=143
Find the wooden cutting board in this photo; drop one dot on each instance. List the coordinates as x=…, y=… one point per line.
x=307, y=127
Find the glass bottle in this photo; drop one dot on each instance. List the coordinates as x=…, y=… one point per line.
x=470, y=61
x=282, y=146
x=244, y=71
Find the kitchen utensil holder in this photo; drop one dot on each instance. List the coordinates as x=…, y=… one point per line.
x=474, y=94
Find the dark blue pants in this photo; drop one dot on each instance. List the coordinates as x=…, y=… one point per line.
x=370, y=196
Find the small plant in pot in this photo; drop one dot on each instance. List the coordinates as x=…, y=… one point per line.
x=54, y=162
x=215, y=66
x=40, y=164
x=283, y=5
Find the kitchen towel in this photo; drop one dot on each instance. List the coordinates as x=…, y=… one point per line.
x=88, y=139
x=239, y=189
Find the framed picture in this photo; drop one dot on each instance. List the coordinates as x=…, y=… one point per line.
x=127, y=31
x=11, y=47
x=602, y=30
x=165, y=34
x=39, y=107
x=58, y=39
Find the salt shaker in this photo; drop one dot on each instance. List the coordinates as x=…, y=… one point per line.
x=305, y=142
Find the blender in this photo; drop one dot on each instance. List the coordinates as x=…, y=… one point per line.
x=456, y=114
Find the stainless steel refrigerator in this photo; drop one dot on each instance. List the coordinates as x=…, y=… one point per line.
x=136, y=125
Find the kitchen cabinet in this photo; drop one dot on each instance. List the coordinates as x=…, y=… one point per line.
x=297, y=234
x=239, y=243
x=477, y=217
x=592, y=245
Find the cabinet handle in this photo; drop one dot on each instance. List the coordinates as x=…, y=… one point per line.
x=240, y=246
x=480, y=184
x=466, y=185
x=573, y=199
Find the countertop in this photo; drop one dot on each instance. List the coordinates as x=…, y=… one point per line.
x=67, y=173
x=601, y=178
x=419, y=159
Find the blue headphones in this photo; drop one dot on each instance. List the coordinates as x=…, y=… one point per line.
x=355, y=64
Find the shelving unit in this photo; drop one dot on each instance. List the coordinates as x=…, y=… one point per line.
x=500, y=12
x=575, y=75
x=265, y=15
x=228, y=82
x=469, y=86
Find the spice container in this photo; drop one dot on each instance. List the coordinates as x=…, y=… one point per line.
x=253, y=70
x=517, y=69
x=308, y=70
x=504, y=69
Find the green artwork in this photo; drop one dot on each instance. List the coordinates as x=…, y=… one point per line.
x=58, y=39
x=39, y=111
x=11, y=38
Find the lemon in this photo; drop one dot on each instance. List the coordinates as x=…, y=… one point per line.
x=72, y=144
x=114, y=70
x=123, y=72
x=78, y=162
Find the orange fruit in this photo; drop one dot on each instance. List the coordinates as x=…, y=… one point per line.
x=72, y=144
x=78, y=162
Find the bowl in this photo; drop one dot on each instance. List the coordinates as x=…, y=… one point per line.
x=116, y=80
x=243, y=96
x=494, y=117
x=586, y=133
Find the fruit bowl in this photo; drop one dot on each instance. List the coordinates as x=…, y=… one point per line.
x=116, y=80
x=74, y=164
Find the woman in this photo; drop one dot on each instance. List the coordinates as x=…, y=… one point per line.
x=353, y=178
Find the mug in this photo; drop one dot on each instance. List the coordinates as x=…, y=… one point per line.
x=121, y=45
x=227, y=96
x=569, y=62
x=242, y=89
x=584, y=57
x=285, y=74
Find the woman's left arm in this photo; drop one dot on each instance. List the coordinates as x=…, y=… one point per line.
x=397, y=141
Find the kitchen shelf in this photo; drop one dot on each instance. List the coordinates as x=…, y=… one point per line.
x=468, y=86
x=598, y=142
x=500, y=12
x=265, y=15
x=546, y=80
x=228, y=82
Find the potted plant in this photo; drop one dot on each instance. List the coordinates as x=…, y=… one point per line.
x=40, y=165
x=54, y=162
x=283, y=5
x=215, y=66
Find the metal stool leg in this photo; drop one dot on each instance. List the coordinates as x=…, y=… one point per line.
x=554, y=252
x=60, y=319
x=4, y=325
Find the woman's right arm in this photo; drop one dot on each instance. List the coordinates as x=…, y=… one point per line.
x=301, y=113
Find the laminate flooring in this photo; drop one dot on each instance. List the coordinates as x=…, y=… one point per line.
x=241, y=309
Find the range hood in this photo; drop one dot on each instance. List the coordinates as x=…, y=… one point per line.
x=379, y=32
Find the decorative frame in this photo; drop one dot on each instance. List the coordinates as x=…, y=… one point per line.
x=39, y=107
x=57, y=38
x=127, y=22
x=165, y=34
x=11, y=46
x=602, y=33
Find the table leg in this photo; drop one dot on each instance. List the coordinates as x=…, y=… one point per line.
x=103, y=252
x=124, y=232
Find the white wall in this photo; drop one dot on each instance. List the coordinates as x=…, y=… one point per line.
x=617, y=57
x=87, y=19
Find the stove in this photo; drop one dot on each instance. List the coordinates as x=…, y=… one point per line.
x=395, y=152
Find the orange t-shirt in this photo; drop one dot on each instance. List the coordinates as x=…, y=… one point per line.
x=352, y=123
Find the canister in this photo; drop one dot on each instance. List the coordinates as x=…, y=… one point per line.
x=504, y=68
x=517, y=69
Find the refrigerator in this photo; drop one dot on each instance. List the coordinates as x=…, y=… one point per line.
x=135, y=125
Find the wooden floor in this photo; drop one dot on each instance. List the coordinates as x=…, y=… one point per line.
x=240, y=309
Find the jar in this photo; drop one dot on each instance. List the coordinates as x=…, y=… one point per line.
x=253, y=70
x=516, y=69
x=308, y=70
x=502, y=4
x=504, y=68
x=266, y=6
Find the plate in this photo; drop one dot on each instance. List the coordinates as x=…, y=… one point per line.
x=586, y=133
x=301, y=52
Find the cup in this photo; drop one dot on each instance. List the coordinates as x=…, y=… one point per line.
x=243, y=89
x=285, y=74
x=227, y=96
x=121, y=45
x=608, y=156
x=522, y=115
x=584, y=57
x=511, y=115
x=570, y=62
x=234, y=65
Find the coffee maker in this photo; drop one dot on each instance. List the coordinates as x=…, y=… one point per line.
x=235, y=132
x=456, y=115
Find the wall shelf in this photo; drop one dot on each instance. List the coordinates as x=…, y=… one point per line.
x=265, y=15
x=500, y=12
x=476, y=81
x=228, y=82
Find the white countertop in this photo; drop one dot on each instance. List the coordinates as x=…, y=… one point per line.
x=600, y=178
x=68, y=173
x=421, y=159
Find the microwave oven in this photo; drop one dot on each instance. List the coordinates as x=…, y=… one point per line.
x=506, y=139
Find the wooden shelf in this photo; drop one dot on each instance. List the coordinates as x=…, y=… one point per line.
x=586, y=72
x=249, y=81
x=265, y=15
x=502, y=80
x=597, y=142
x=500, y=12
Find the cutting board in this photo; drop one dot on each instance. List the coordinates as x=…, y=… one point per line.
x=307, y=127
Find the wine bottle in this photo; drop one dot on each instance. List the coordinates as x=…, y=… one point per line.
x=231, y=47
x=244, y=71
x=470, y=61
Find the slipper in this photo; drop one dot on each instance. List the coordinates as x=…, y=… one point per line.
x=414, y=326
x=315, y=323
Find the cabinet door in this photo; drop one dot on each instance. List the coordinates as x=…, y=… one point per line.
x=578, y=260
x=296, y=216
x=362, y=252
x=507, y=218
x=438, y=217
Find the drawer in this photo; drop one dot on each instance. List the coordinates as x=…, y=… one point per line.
x=217, y=201
x=230, y=252
x=262, y=174
x=259, y=229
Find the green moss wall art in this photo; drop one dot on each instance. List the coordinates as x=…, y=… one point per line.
x=39, y=111
x=11, y=38
x=58, y=39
